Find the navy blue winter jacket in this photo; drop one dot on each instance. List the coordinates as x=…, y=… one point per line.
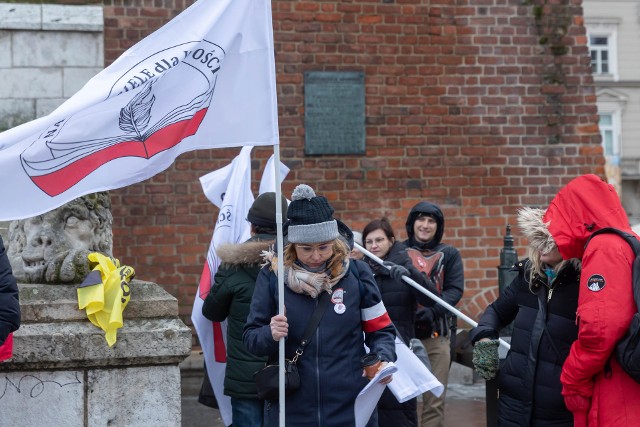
x=330, y=368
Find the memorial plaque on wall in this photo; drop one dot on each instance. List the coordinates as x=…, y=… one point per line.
x=334, y=112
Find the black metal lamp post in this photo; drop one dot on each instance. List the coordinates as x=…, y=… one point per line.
x=508, y=257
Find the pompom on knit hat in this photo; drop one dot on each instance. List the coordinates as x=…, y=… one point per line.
x=310, y=217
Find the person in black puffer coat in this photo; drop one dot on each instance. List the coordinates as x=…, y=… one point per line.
x=401, y=301
x=541, y=301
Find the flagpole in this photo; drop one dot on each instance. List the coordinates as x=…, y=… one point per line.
x=431, y=295
x=280, y=252
x=278, y=185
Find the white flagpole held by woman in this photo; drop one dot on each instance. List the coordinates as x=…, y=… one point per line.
x=431, y=295
x=278, y=191
x=280, y=249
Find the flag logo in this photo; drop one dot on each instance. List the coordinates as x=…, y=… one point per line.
x=154, y=117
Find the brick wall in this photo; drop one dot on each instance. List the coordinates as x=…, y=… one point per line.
x=478, y=106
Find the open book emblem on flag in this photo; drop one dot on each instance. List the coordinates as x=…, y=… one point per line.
x=148, y=111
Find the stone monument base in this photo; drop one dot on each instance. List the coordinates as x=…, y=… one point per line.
x=64, y=374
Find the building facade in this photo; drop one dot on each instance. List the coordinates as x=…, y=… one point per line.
x=613, y=30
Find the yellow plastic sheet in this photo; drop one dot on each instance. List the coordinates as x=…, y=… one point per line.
x=105, y=293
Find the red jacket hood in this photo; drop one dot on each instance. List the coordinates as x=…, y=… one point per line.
x=583, y=206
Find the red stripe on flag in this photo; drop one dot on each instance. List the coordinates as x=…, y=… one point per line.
x=61, y=180
x=205, y=281
x=219, y=350
x=377, y=323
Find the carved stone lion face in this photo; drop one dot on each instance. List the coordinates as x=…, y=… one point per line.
x=53, y=247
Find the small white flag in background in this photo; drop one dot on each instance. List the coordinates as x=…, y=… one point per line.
x=268, y=181
x=204, y=80
x=229, y=188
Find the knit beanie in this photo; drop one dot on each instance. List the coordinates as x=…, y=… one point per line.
x=310, y=217
x=263, y=210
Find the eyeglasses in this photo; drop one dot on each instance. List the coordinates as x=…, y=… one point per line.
x=320, y=247
x=377, y=241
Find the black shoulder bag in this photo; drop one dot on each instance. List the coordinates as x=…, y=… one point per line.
x=267, y=378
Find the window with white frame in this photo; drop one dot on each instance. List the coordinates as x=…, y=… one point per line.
x=600, y=57
x=603, y=50
x=610, y=132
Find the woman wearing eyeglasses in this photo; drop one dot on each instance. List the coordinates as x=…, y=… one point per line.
x=401, y=301
x=316, y=261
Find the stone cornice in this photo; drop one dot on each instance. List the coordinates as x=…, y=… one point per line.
x=51, y=17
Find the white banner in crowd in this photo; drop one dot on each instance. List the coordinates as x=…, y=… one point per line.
x=204, y=80
x=229, y=189
x=412, y=378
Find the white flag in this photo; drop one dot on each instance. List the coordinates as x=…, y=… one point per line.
x=268, y=181
x=412, y=378
x=204, y=80
x=229, y=188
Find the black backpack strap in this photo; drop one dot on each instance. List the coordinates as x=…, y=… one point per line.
x=630, y=238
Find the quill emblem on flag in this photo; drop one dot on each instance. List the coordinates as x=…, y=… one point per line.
x=135, y=116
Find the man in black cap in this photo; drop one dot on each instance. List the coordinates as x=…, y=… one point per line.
x=443, y=265
x=230, y=298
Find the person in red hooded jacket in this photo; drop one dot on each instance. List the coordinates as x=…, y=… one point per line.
x=9, y=305
x=595, y=388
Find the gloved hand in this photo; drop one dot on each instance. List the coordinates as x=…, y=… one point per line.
x=424, y=322
x=396, y=271
x=485, y=358
x=425, y=315
x=579, y=406
x=577, y=403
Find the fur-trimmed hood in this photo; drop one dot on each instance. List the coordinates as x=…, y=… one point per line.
x=247, y=253
x=530, y=221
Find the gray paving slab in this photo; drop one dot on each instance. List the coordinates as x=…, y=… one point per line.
x=465, y=404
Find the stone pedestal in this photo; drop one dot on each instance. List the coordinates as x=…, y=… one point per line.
x=63, y=373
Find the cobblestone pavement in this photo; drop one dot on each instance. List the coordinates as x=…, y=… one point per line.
x=465, y=406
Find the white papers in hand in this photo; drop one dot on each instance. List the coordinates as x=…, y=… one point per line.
x=368, y=398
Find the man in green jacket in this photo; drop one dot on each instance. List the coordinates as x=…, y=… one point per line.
x=230, y=299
